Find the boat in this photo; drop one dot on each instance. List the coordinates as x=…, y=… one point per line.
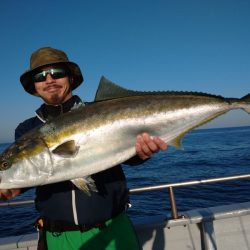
x=225, y=227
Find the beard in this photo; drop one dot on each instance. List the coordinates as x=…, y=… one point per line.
x=58, y=98
x=54, y=99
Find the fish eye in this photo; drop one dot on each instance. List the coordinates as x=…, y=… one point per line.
x=4, y=165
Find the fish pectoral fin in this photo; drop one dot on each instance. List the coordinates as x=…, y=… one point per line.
x=86, y=184
x=67, y=149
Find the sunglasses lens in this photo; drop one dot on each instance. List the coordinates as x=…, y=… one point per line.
x=39, y=77
x=58, y=73
x=55, y=74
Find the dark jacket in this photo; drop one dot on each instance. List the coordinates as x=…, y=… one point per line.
x=63, y=201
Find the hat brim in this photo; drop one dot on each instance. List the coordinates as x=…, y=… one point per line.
x=26, y=78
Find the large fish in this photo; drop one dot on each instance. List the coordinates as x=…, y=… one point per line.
x=92, y=138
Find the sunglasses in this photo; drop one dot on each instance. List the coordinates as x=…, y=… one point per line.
x=55, y=74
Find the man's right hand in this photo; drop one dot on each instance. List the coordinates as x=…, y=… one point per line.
x=6, y=194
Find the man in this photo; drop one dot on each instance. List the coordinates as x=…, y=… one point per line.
x=70, y=219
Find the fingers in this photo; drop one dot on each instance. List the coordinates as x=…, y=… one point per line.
x=160, y=143
x=142, y=149
x=6, y=194
x=146, y=145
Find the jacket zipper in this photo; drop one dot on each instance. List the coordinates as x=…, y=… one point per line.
x=73, y=193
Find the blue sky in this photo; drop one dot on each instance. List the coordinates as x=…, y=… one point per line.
x=140, y=44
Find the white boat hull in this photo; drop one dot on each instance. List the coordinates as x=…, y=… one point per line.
x=223, y=228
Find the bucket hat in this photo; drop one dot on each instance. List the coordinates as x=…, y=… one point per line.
x=48, y=56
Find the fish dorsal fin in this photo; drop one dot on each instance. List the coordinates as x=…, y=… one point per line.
x=108, y=90
x=66, y=149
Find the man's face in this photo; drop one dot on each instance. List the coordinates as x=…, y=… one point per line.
x=52, y=85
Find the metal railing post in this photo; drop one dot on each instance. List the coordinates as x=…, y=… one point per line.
x=173, y=203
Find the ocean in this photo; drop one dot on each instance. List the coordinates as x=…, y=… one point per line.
x=206, y=153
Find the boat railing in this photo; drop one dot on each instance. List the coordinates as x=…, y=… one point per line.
x=170, y=187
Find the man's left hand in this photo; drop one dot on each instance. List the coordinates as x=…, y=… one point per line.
x=147, y=145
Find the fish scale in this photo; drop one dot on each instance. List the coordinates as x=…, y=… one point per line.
x=98, y=136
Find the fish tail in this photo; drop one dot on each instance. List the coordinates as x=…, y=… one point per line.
x=246, y=100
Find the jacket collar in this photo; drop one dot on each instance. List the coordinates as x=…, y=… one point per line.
x=47, y=112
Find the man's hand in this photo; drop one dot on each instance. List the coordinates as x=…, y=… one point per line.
x=7, y=194
x=146, y=145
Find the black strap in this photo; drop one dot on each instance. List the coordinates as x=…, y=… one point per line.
x=43, y=224
x=42, y=243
